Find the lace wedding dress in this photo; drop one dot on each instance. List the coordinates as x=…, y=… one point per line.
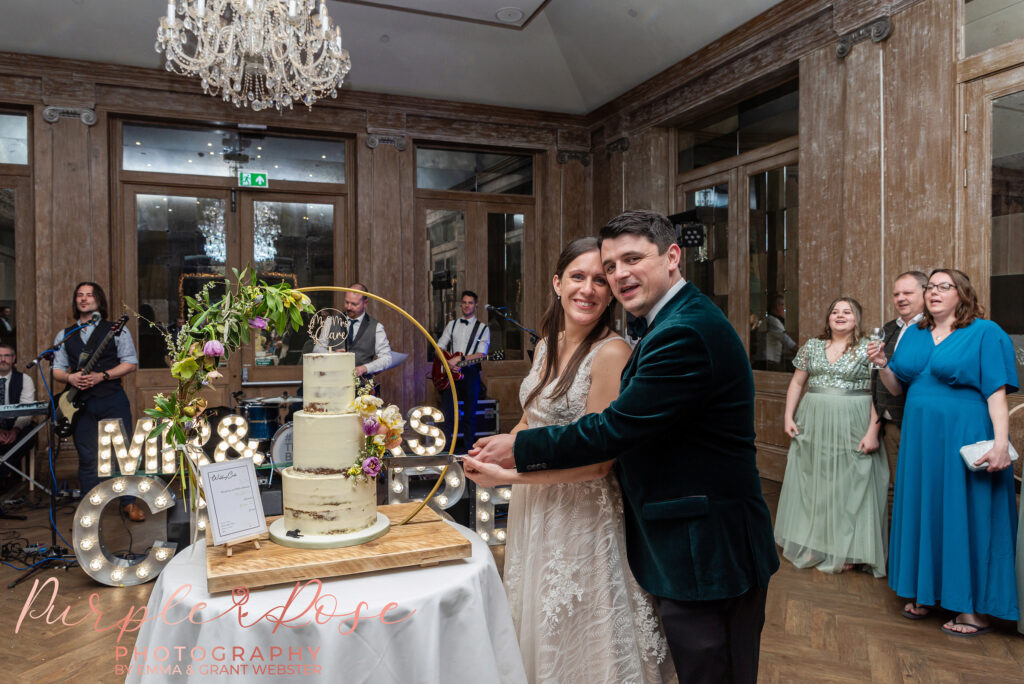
x=579, y=614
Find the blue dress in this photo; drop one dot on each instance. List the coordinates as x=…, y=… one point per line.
x=953, y=530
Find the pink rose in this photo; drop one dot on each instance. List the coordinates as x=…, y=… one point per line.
x=213, y=348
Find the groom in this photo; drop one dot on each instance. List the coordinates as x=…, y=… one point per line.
x=698, y=532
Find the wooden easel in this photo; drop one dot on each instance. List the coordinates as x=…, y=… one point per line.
x=255, y=539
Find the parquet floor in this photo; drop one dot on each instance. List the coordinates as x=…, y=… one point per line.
x=819, y=628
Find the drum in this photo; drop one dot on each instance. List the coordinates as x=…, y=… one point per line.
x=281, y=447
x=262, y=420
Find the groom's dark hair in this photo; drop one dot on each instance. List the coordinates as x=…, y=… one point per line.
x=647, y=224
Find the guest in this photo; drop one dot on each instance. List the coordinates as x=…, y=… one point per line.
x=773, y=337
x=831, y=512
x=7, y=332
x=15, y=388
x=578, y=611
x=953, y=529
x=908, y=298
x=468, y=339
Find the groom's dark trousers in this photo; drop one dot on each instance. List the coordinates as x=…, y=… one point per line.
x=698, y=532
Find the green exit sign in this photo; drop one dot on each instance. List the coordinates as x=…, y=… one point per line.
x=253, y=179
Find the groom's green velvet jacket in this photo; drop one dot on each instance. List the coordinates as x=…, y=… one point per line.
x=682, y=431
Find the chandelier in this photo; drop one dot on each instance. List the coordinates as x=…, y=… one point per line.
x=266, y=230
x=255, y=53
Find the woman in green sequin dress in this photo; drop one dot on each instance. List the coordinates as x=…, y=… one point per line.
x=831, y=513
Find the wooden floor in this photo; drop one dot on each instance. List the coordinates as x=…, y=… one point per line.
x=819, y=628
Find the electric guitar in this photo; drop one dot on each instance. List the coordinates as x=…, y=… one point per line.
x=69, y=402
x=437, y=374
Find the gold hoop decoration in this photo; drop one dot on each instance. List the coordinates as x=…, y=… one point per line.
x=444, y=362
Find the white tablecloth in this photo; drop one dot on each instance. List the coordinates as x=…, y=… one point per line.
x=457, y=628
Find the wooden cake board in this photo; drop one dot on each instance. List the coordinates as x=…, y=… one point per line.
x=425, y=540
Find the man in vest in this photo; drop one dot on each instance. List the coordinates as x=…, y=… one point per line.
x=101, y=388
x=365, y=336
x=467, y=339
x=15, y=388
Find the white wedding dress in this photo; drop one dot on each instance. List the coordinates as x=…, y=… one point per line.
x=579, y=614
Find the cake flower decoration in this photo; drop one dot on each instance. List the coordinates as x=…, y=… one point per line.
x=382, y=430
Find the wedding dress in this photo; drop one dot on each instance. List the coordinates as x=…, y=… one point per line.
x=579, y=614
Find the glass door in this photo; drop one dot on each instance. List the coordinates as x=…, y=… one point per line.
x=990, y=243
x=17, y=290
x=185, y=239
x=298, y=240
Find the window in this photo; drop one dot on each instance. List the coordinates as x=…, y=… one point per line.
x=753, y=123
x=707, y=266
x=467, y=171
x=224, y=152
x=13, y=139
x=773, y=269
x=988, y=23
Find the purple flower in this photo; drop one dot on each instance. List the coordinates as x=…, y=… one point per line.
x=371, y=466
x=370, y=426
x=213, y=348
x=259, y=323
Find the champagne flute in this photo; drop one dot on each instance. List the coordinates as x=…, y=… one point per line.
x=876, y=335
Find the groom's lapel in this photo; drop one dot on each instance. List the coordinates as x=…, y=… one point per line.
x=685, y=294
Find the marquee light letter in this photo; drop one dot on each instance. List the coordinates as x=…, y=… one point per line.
x=416, y=417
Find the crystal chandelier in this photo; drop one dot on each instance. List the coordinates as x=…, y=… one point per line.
x=268, y=228
x=256, y=53
x=211, y=225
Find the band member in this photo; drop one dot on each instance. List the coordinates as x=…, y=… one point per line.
x=468, y=339
x=15, y=388
x=364, y=335
x=101, y=388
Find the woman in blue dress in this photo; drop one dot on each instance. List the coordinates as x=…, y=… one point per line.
x=953, y=529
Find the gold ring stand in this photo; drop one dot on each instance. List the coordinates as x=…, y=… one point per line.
x=444, y=362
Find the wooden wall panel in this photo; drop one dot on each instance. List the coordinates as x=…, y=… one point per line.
x=861, y=229
x=574, y=192
x=920, y=142
x=647, y=171
x=822, y=138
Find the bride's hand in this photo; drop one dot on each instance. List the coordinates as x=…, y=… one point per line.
x=487, y=474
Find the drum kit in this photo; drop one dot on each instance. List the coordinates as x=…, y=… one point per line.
x=263, y=414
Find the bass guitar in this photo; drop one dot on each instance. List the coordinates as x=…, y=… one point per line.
x=440, y=380
x=70, y=401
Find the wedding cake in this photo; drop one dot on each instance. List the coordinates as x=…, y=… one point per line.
x=321, y=495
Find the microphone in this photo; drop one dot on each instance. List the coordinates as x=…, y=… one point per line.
x=96, y=317
x=495, y=308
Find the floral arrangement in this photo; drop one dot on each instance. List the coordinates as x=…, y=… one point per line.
x=213, y=330
x=382, y=430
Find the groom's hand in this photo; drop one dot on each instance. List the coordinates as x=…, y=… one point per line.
x=495, y=449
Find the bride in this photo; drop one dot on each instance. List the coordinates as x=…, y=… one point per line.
x=579, y=614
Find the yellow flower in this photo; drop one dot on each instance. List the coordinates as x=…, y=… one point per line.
x=366, y=405
x=392, y=418
x=354, y=470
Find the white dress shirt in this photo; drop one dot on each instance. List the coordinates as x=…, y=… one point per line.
x=28, y=395
x=457, y=332
x=903, y=327
x=381, y=347
x=666, y=298
x=123, y=343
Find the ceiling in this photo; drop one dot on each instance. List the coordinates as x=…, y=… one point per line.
x=561, y=55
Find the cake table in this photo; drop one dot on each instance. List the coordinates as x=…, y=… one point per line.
x=448, y=623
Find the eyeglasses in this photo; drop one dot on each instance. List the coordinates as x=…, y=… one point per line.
x=6, y=356
x=941, y=287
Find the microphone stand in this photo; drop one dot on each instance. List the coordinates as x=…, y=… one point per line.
x=54, y=552
x=505, y=316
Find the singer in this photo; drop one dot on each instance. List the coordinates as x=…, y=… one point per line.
x=468, y=340
x=101, y=389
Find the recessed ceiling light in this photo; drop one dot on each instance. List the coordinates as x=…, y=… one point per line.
x=632, y=12
x=137, y=142
x=509, y=15
x=385, y=38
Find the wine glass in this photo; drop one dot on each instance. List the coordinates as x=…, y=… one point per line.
x=876, y=335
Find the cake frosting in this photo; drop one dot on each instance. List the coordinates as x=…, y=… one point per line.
x=319, y=499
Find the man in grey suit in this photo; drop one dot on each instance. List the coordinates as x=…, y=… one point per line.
x=698, y=532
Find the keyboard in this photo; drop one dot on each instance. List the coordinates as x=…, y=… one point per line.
x=39, y=408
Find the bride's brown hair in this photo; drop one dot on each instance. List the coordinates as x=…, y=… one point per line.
x=553, y=323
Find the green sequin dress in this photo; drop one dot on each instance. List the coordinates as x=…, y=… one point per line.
x=832, y=507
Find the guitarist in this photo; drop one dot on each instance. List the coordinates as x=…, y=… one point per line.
x=467, y=339
x=101, y=389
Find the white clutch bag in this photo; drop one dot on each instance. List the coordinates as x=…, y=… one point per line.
x=972, y=452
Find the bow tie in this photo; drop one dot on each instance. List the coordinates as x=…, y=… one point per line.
x=637, y=327
x=463, y=320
